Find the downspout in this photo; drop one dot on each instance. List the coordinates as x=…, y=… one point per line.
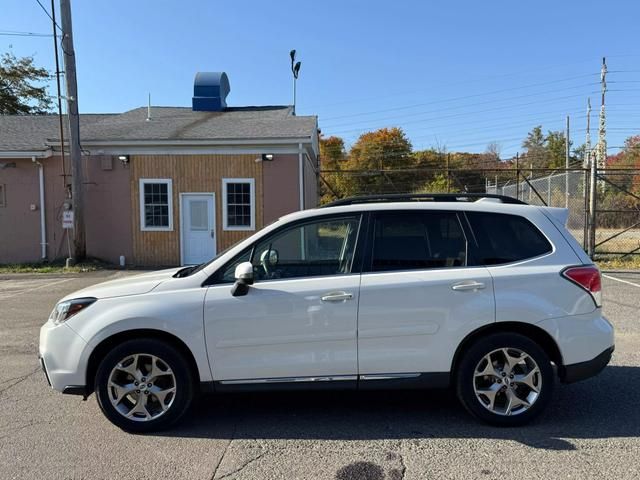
x=43, y=230
x=301, y=175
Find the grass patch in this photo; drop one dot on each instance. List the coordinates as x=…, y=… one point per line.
x=55, y=267
x=618, y=262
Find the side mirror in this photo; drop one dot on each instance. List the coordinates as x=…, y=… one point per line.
x=244, y=278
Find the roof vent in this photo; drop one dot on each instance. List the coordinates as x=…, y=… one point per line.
x=210, y=90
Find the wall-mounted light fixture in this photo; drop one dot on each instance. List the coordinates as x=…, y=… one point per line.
x=124, y=159
x=265, y=157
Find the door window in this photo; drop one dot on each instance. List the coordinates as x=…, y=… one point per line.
x=321, y=247
x=417, y=240
x=199, y=215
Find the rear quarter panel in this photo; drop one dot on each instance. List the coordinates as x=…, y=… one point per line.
x=533, y=290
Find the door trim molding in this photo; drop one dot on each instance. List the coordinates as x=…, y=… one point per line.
x=384, y=381
x=181, y=221
x=331, y=378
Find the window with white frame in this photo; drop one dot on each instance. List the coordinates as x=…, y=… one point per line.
x=156, y=204
x=238, y=204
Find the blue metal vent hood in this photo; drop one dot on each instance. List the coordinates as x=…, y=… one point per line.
x=210, y=90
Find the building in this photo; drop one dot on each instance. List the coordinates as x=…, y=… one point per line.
x=163, y=185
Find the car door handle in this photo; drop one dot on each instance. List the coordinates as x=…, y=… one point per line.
x=468, y=285
x=336, y=297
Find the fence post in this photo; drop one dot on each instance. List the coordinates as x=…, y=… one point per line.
x=549, y=189
x=518, y=176
x=448, y=178
x=592, y=210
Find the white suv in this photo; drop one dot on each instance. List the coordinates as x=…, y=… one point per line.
x=488, y=295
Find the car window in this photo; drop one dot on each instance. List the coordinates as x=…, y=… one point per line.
x=321, y=247
x=228, y=273
x=503, y=238
x=417, y=240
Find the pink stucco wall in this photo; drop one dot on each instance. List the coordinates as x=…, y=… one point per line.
x=107, y=220
x=20, y=226
x=280, y=187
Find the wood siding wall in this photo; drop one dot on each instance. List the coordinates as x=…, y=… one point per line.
x=190, y=174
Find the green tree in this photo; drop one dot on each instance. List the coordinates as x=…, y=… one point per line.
x=534, y=144
x=556, y=145
x=23, y=88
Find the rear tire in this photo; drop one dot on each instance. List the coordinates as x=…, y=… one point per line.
x=144, y=385
x=505, y=379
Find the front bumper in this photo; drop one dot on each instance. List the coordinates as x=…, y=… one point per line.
x=588, y=369
x=62, y=354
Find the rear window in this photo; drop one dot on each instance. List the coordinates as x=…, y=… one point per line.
x=410, y=241
x=503, y=238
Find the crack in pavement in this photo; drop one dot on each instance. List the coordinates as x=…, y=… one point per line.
x=13, y=430
x=242, y=467
x=18, y=380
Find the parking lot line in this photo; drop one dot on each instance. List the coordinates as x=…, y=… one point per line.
x=620, y=280
x=20, y=292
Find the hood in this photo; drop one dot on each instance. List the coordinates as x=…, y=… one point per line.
x=129, y=285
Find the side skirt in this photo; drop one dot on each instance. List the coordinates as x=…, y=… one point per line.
x=387, y=381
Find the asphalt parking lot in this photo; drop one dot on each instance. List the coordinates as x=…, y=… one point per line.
x=591, y=430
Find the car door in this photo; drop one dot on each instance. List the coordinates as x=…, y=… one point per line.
x=418, y=297
x=297, y=323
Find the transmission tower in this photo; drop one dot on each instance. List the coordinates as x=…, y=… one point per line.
x=601, y=150
x=587, y=142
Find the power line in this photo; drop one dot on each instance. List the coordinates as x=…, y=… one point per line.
x=9, y=33
x=469, y=113
x=48, y=14
x=493, y=92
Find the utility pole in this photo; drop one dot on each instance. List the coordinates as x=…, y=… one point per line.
x=601, y=150
x=79, y=241
x=566, y=166
x=59, y=91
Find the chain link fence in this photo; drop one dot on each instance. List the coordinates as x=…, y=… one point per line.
x=567, y=189
x=614, y=226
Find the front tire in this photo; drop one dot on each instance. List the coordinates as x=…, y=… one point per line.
x=144, y=385
x=505, y=379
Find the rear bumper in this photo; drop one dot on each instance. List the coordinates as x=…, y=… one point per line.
x=583, y=370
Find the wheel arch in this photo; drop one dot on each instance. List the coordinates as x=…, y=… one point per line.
x=103, y=348
x=531, y=331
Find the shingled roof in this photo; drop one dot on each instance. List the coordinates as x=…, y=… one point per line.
x=37, y=132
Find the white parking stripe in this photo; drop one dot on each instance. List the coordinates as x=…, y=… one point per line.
x=620, y=280
x=20, y=292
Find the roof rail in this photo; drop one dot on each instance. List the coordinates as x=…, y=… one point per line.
x=422, y=197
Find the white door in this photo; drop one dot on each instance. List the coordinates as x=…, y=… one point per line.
x=297, y=323
x=418, y=299
x=198, y=228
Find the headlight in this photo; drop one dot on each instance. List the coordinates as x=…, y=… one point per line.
x=67, y=309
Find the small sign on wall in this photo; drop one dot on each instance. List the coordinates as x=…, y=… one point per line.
x=67, y=219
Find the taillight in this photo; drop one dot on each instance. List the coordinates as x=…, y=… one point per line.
x=588, y=278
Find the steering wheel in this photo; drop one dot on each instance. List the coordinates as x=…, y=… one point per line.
x=268, y=259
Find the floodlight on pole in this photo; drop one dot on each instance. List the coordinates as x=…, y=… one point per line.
x=295, y=70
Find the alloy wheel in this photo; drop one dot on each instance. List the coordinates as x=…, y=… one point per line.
x=141, y=387
x=507, y=381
